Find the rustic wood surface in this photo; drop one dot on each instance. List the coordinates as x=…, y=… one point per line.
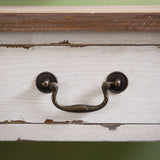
x=126, y=18
x=81, y=61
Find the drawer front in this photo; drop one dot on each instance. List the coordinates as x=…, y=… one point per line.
x=80, y=71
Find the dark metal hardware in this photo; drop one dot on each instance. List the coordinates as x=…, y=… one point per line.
x=121, y=82
x=116, y=82
x=43, y=82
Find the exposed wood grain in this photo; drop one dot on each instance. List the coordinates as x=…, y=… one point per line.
x=93, y=19
x=63, y=132
x=80, y=73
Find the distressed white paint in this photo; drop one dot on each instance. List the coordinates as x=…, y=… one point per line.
x=71, y=132
x=123, y=37
x=80, y=72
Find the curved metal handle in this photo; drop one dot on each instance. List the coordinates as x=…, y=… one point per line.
x=79, y=107
x=116, y=82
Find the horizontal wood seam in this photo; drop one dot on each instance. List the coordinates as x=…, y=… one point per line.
x=78, y=122
x=27, y=46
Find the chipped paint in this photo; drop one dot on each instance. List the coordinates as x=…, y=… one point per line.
x=111, y=127
x=47, y=121
x=77, y=121
x=14, y=122
x=64, y=42
x=50, y=121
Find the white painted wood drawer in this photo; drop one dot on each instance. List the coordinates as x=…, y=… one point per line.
x=81, y=61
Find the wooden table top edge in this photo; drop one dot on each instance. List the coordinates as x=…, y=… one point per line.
x=80, y=18
x=80, y=9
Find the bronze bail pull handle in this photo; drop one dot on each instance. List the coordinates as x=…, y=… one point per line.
x=116, y=82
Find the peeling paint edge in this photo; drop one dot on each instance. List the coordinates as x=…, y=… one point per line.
x=47, y=121
x=14, y=122
x=110, y=126
x=51, y=121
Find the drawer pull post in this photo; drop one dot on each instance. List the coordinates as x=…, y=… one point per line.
x=116, y=82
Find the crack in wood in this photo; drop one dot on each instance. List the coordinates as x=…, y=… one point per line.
x=110, y=126
x=66, y=43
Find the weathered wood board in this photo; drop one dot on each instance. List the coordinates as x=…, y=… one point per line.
x=81, y=63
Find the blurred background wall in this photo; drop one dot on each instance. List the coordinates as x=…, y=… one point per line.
x=79, y=151
x=78, y=2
